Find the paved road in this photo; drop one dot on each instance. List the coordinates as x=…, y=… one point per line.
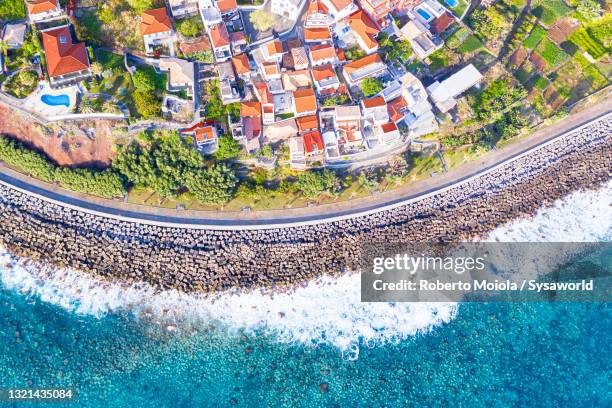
x=300, y=216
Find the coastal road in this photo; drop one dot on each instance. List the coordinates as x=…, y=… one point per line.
x=236, y=220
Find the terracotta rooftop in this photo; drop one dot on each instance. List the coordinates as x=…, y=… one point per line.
x=299, y=56
x=364, y=27
x=307, y=122
x=315, y=7
x=274, y=47
x=317, y=34
x=225, y=6
x=362, y=62
x=205, y=134
x=323, y=72
x=219, y=36
x=441, y=23
x=250, y=109
x=270, y=68
x=251, y=127
x=388, y=127
x=155, y=21
x=373, y=102
x=264, y=93
x=41, y=6
x=313, y=141
x=396, y=107
x=322, y=52
x=341, y=4
x=296, y=79
x=63, y=56
x=203, y=44
x=238, y=36
x=305, y=100
x=241, y=64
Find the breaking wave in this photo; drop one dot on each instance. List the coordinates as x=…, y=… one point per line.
x=324, y=311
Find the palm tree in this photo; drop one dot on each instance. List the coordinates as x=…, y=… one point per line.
x=96, y=68
x=109, y=107
x=86, y=106
x=4, y=47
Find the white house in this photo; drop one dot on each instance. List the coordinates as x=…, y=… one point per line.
x=287, y=8
x=13, y=35
x=156, y=29
x=364, y=31
x=181, y=8
x=316, y=15
x=43, y=10
x=420, y=38
x=339, y=9
x=375, y=110
x=325, y=79
x=181, y=74
x=220, y=41
x=367, y=67
x=322, y=54
x=443, y=93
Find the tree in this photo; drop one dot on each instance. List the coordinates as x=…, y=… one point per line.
x=96, y=68
x=589, y=9
x=487, y=23
x=146, y=104
x=262, y=20
x=371, y=86
x=145, y=80
x=212, y=185
x=228, y=148
x=188, y=27
x=314, y=183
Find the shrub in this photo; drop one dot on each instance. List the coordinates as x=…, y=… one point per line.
x=228, y=148
x=582, y=39
x=487, y=23
x=190, y=27
x=12, y=10
x=21, y=84
x=262, y=20
x=215, y=184
x=541, y=83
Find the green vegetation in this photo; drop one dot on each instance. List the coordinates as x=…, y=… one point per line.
x=535, y=37
x=510, y=124
x=457, y=38
x=169, y=166
x=471, y=44
x=601, y=30
x=21, y=58
x=108, y=59
x=228, y=148
x=262, y=20
x=21, y=84
x=550, y=10
x=371, y=86
x=314, y=183
x=438, y=60
x=499, y=96
x=541, y=83
x=393, y=49
x=589, y=10
x=583, y=39
x=334, y=100
x=206, y=57
x=552, y=54
x=105, y=183
x=12, y=10
x=190, y=27
x=488, y=23
x=353, y=53
x=214, y=106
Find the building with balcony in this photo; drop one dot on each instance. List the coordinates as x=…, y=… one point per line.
x=67, y=61
x=156, y=29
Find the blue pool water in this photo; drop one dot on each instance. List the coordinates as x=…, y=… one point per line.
x=424, y=14
x=451, y=3
x=56, y=100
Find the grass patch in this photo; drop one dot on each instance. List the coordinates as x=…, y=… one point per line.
x=471, y=44
x=108, y=59
x=583, y=39
x=535, y=37
x=522, y=75
x=541, y=83
x=551, y=53
x=438, y=60
x=457, y=38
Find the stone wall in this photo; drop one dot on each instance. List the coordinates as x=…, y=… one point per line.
x=192, y=259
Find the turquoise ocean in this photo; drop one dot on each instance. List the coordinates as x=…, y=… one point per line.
x=316, y=347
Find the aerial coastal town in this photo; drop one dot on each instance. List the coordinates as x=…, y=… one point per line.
x=303, y=84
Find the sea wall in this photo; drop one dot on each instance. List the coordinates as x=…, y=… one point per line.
x=207, y=260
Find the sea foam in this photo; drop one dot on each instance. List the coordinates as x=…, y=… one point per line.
x=324, y=311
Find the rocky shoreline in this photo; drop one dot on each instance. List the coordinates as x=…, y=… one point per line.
x=211, y=260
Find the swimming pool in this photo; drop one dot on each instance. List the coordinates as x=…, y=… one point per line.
x=56, y=100
x=451, y=3
x=424, y=14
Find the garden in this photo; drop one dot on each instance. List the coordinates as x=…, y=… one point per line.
x=21, y=84
x=12, y=10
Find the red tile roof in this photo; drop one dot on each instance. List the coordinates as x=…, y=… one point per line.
x=204, y=134
x=316, y=7
x=321, y=52
x=251, y=127
x=219, y=36
x=264, y=93
x=41, y=6
x=317, y=34
x=238, y=36
x=441, y=23
x=250, y=109
x=241, y=64
x=313, y=141
x=365, y=28
x=373, y=102
x=396, y=107
x=362, y=62
x=341, y=4
x=62, y=55
x=274, y=47
x=305, y=100
x=225, y=6
x=307, y=123
x=155, y=21
x=323, y=72
x=389, y=127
